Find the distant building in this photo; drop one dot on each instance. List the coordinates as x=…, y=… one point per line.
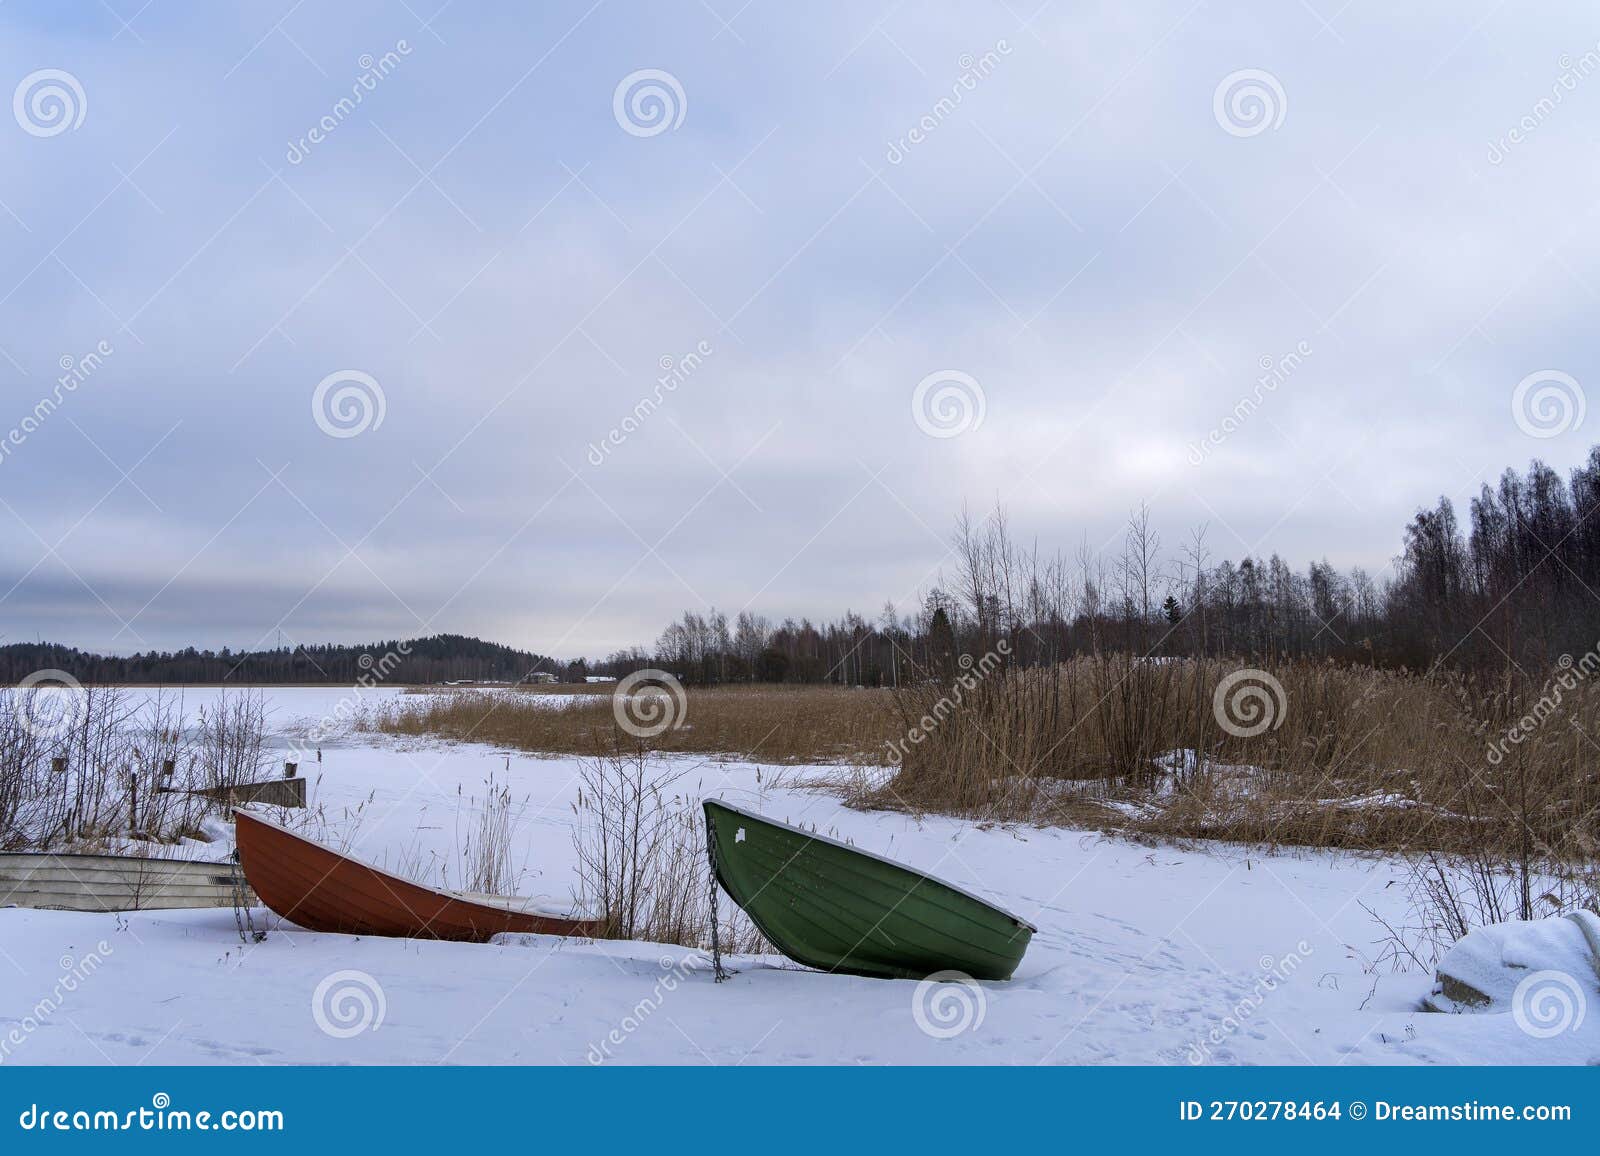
x=599, y=678
x=542, y=677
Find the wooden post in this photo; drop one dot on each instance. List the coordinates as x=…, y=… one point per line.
x=133, y=803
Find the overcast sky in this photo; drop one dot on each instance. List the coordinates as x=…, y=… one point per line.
x=920, y=254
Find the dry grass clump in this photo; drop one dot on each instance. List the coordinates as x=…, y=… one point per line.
x=1340, y=756
x=486, y=863
x=229, y=748
x=760, y=723
x=640, y=843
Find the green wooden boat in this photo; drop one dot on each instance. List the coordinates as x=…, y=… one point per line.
x=837, y=908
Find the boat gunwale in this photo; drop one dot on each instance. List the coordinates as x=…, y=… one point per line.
x=489, y=903
x=738, y=810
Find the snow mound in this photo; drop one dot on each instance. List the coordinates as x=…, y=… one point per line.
x=1497, y=968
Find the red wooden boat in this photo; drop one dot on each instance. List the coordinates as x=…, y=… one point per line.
x=324, y=890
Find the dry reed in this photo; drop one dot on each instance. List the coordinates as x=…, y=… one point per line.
x=772, y=724
x=640, y=844
x=1336, y=755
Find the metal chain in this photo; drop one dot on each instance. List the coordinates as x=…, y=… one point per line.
x=718, y=972
x=241, y=906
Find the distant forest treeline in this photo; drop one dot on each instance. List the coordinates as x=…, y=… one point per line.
x=1515, y=588
x=440, y=658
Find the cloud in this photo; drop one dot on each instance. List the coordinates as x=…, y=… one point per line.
x=1072, y=228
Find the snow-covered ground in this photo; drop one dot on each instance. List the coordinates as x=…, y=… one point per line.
x=1143, y=955
x=288, y=707
x=298, y=711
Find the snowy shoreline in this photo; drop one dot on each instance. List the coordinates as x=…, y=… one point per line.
x=1144, y=955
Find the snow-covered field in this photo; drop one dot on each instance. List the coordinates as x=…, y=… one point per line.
x=1143, y=955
